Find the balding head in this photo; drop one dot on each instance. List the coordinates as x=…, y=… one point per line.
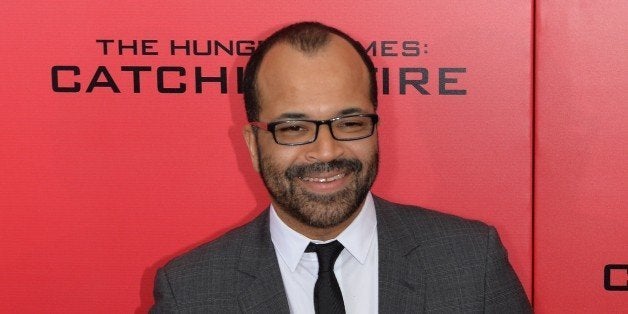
x=308, y=38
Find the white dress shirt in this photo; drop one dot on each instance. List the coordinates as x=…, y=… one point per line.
x=355, y=268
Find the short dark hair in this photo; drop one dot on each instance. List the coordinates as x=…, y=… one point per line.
x=307, y=37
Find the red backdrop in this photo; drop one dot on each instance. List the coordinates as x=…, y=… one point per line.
x=99, y=188
x=581, y=185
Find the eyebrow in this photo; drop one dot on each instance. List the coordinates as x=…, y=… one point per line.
x=297, y=115
x=351, y=111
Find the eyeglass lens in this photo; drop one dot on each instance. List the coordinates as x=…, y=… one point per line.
x=346, y=128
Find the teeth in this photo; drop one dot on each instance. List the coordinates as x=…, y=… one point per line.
x=323, y=180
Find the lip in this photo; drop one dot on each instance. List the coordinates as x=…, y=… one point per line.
x=323, y=183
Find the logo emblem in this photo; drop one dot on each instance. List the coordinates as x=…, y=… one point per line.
x=613, y=274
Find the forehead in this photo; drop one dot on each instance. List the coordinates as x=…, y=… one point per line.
x=317, y=85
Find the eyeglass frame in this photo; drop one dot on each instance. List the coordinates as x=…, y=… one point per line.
x=270, y=127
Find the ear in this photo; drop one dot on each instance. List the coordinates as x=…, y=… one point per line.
x=251, y=143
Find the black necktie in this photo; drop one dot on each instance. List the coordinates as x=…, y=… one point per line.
x=327, y=295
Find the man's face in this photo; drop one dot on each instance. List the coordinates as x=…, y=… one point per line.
x=324, y=183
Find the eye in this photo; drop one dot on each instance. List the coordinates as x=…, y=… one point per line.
x=293, y=128
x=351, y=124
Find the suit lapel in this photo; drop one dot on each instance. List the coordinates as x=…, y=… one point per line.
x=401, y=286
x=264, y=290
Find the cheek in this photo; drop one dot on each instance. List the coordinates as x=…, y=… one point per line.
x=364, y=151
x=281, y=157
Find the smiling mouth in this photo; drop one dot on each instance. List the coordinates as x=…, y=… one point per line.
x=325, y=179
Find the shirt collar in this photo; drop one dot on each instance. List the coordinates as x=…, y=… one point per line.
x=356, y=238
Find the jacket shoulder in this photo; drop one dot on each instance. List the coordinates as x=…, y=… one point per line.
x=428, y=223
x=453, y=255
x=220, y=251
x=207, y=278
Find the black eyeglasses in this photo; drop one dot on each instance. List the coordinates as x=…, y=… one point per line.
x=300, y=132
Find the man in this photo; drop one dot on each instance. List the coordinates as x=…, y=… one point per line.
x=326, y=245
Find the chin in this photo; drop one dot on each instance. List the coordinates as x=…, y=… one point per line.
x=325, y=210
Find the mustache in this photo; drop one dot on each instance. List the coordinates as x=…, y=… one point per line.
x=299, y=171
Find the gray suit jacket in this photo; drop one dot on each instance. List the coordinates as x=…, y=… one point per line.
x=428, y=262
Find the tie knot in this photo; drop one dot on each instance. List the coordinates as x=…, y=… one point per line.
x=327, y=254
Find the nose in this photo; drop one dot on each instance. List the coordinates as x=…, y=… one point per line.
x=325, y=148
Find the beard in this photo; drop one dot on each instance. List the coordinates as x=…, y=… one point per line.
x=319, y=210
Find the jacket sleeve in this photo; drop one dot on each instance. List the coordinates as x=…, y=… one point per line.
x=164, y=296
x=503, y=290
